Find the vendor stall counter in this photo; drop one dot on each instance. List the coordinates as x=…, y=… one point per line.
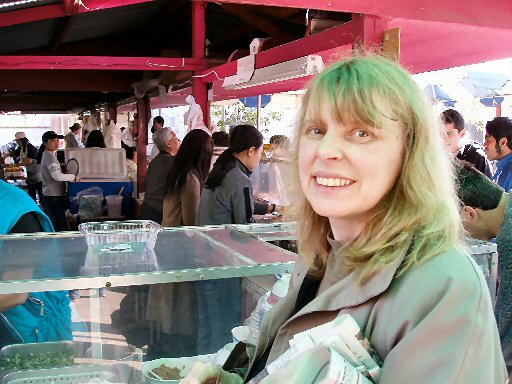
x=179, y=299
x=104, y=168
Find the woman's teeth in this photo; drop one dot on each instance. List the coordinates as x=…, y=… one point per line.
x=333, y=182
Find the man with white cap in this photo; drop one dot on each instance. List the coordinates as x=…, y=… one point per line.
x=26, y=154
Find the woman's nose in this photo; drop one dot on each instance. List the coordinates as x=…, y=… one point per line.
x=330, y=148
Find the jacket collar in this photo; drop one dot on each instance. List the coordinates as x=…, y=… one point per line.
x=242, y=167
x=345, y=293
x=354, y=293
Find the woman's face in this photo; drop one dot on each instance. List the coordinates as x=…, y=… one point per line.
x=347, y=169
x=253, y=157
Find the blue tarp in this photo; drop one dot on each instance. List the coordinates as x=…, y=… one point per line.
x=492, y=101
x=484, y=85
x=435, y=93
x=252, y=101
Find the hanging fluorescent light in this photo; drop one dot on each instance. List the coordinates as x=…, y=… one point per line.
x=292, y=69
x=19, y=2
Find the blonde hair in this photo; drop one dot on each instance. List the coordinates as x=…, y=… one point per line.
x=419, y=216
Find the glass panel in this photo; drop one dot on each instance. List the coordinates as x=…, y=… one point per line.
x=66, y=256
x=129, y=325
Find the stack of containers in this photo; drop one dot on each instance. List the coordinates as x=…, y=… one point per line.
x=104, y=168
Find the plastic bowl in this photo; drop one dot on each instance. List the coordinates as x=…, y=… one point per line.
x=120, y=236
x=183, y=363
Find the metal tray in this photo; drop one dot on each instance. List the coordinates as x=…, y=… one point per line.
x=35, y=349
x=78, y=374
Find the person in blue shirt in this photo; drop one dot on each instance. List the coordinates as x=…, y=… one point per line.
x=487, y=215
x=34, y=316
x=498, y=146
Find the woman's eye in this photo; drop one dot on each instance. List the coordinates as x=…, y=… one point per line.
x=313, y=131
x=362, y=135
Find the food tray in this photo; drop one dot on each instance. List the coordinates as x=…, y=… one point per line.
x=120, y=236
x=37, y=355
x=78, y=374
x=38, y=348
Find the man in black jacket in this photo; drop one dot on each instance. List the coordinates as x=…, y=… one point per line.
x=463, y=149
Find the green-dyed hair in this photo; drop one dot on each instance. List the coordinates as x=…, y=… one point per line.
x=419, y=216
x=475, y=189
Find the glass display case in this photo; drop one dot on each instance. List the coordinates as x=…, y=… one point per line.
x=181, y=298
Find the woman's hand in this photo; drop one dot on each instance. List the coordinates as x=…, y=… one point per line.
x=206, y=373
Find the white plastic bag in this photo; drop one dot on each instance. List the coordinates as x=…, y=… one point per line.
x=194, y=116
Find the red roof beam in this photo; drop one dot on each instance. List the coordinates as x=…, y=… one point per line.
x=494, y=13
x=52, y=11
x=102, y=63
x=334, y=37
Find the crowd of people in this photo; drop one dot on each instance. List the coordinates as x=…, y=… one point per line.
x=379, y=224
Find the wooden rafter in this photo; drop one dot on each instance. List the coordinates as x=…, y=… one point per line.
x=495, y=14
x=256, y=20
x=71, y=8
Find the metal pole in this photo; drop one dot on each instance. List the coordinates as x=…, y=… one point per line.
x=258, y=113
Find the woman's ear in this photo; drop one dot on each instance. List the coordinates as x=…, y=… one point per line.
x=469, y=215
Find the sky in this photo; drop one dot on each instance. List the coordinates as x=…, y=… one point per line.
x=452, y=76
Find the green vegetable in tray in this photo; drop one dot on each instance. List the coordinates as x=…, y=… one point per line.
x=20, y=361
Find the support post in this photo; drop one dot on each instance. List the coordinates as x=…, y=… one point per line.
x=368, y=31
x=143, y=115
x=199, y=87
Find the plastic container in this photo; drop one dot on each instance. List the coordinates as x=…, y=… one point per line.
x=114, y=204
x=184, y=364
x=120, y=236
x=265, y=303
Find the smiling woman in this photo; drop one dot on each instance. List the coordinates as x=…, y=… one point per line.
x=378, y=230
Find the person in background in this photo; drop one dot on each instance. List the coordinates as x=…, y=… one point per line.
x=95, y=139
x=460, y=145
x=127, y=137
x=35, y=316
x=174, y=306
x=378, y=230
x=73, y=139
x=158, y=173
x=220, y=139
x=280, y=146
x=27, y=155
x=131, y=166
x=158, y=122
x=54, y=201
x=186, y=179
x=228, y=196
x=226, y=199
x=487, y=214
x=131, y=162
x=498, y=146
